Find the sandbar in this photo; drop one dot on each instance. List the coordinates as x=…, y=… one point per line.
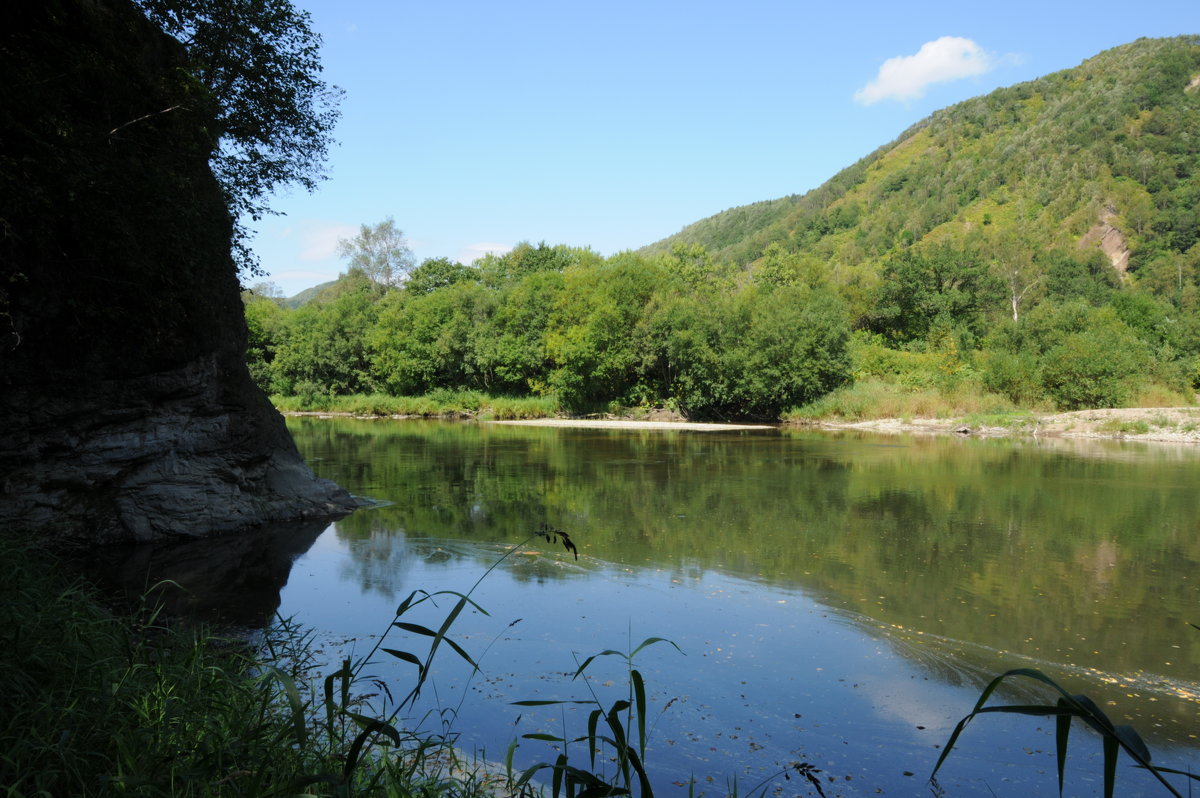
x=597, y=423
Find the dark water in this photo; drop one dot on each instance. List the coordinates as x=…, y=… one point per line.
x=837, y=600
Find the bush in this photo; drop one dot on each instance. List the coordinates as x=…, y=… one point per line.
x=1092, y=369
x=1016, y=376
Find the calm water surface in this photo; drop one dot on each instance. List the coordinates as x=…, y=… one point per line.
x=838, y=600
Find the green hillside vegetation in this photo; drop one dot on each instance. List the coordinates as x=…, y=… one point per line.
x=1034, y=247
x=307, y=295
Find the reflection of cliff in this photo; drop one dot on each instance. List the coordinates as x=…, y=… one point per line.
x=126, y=410
x=230, y=580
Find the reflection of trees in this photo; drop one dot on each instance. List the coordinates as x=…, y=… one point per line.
x=382, y=557
x=1048, y=555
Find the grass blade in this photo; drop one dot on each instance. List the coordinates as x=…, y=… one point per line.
x=639, y=701
x=1062, y=732
x=1111, y=748
x=294, y=702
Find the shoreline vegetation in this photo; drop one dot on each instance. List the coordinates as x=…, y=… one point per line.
x=107, y=699
x=1169, y=424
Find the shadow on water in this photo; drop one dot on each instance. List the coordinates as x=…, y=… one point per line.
x=230, y=580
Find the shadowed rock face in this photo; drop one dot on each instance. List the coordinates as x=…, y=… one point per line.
x=126, y=410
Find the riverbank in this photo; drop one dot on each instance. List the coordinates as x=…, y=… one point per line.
x=623, y=423
x=106, y=701
x=1161, y=424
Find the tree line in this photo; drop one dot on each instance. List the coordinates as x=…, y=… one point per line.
x=676, y=330
x=722, y=340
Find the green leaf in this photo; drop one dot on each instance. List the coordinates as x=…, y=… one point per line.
x=375, y=727
x=649, y=641
x=294, y=703
x=1132, y=741
x=1061, y=732
x=639, y=700
x=415, y=628
x=1111, y=749
x=592, y=725
x=606, y=653
x=407, y=657
x=550, y=738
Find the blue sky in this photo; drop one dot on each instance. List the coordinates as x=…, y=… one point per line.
x=476, y=125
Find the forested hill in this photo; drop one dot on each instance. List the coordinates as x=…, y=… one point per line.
x=1105, y=155
x=1035, y=247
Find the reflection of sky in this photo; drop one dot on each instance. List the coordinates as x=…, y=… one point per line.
x=767, y=676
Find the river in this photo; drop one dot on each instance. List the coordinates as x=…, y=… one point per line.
x=832, y=599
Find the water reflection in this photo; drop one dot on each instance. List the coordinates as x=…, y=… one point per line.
x=229, y=580
x=960, y=557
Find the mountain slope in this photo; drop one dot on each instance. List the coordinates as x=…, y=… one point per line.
x=1103, y=157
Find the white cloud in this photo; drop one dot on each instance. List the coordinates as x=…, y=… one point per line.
x=472, y=252
x=906, y=77
x=318, y=240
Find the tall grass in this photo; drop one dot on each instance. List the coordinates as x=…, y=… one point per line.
x=876, y=397
x=438, y=404
x=98, y=703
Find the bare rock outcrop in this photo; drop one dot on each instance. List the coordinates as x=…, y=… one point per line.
x=1110, y=240
x=126, y=410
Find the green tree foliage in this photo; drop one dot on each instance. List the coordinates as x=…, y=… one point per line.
x=1074, y=354
x=1040, y=242
x=514, y=355
x=1091, y=368
x=379, y=251
x=323, y=347
x=265, y=322
x=749, y=353
x=524, y=258
x=940, y=285
x=260, y=60
x=435, y=273
x=675, y=330
x=1091, y=278
x=428, y=341
x=590, y=342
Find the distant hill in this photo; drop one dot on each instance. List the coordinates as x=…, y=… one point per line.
x=307, y=295
x=1104, y=157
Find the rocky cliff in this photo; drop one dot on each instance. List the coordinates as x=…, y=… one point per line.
x=126, y=410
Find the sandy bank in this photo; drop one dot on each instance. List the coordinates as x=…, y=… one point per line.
x=1164, y=424
x=594, y=423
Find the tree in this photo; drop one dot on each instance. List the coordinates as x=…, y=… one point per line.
x=266, y=323
x=323, y=349
x=1013, y=263
x=426, y=341
x=260, y=61
x=436, y=273
x=919, y=287
x=380, y=252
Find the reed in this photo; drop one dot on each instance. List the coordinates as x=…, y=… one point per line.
x=104, y=703
x=1065, y=709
